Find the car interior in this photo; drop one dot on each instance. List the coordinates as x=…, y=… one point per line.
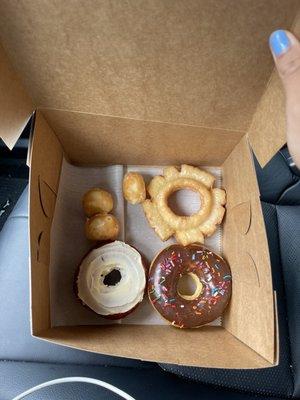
x=27, y=361
x=108, y=109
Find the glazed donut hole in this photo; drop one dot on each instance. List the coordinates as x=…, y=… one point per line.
x=97, y=201
x=134, y=189
x=184, y=202
x=102, y=227
x=189, y=286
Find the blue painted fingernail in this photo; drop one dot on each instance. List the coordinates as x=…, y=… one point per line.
x=279, y=42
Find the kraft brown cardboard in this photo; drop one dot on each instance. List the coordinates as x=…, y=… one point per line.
x=260, y=133
x=16, y=106
x=200, y=69
x=46, y=161
x=248, y=255
x=255, y=331
x=195, y=62
x=208, y=347
x=203, y=63
x=79, y=133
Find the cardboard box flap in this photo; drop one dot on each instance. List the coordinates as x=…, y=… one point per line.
x=246, y=248
x=222, y=350
x=203, y=63
x=267, y=133
x=15, y=105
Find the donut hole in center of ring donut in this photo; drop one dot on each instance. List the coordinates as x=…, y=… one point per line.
x=112, y=278
x=189, y=286
x=184, y=202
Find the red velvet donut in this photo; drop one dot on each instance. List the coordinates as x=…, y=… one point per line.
x=111, y=280
x=212, y=277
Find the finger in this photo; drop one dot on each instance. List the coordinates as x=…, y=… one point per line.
x=286, y=52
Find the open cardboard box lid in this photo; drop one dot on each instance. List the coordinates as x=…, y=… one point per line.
x=202, y=63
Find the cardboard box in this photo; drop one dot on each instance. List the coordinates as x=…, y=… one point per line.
x=152, y=82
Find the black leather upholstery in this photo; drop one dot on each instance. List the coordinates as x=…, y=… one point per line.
x=289, y=228
x=142, y=384
x=291, y=195
x=274, y=178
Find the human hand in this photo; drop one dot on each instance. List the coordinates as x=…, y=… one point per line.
x=286, y=52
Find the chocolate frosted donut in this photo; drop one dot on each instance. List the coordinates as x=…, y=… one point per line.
x=212, y=278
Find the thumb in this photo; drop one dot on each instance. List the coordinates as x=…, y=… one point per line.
x=286, y=52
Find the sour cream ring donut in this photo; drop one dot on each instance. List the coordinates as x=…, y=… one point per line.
x=187, y=229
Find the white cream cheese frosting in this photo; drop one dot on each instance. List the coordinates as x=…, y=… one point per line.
x=118, y=298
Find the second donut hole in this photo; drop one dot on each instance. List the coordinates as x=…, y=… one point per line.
x=184, y=202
